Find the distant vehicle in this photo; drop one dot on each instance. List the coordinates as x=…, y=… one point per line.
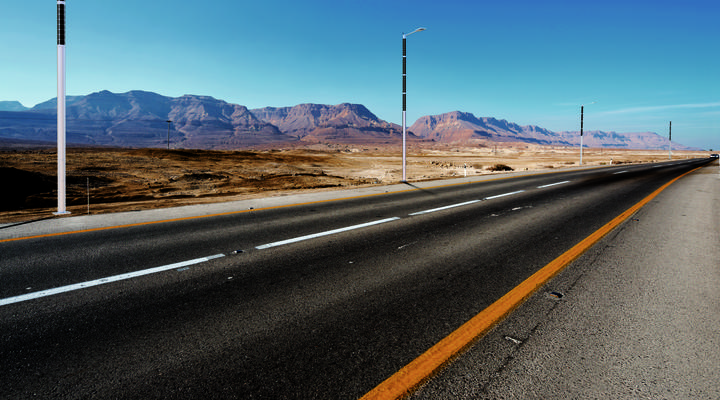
x=715, y=155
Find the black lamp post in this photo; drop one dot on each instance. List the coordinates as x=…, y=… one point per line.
x=404, y=102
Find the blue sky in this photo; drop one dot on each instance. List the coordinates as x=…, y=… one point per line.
x=643, y=63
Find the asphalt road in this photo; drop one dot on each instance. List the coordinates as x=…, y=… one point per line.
x=322, y=300
x=635, y=317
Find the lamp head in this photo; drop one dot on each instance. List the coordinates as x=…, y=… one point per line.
x=416, y=30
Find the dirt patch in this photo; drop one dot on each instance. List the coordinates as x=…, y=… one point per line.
x=111, y=180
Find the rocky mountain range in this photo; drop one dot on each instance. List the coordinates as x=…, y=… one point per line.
x=346, y=123
x=459, y=127
x=140, y=119
x=462, y=127
x=12, y=106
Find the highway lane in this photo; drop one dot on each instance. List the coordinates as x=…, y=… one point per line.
x=634, y=317
x=99, y=254
x=328, y=317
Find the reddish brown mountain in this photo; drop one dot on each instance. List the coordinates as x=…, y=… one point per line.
x=462, y=127
x=139, y=119
x=206, y=122
x=344, y=123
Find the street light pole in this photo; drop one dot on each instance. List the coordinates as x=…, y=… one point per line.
x=581, y=133
x=404, y=101
x=670, y=142
x=582, y=107
x=61, y=107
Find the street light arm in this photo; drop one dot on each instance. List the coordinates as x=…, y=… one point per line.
x=416, y=30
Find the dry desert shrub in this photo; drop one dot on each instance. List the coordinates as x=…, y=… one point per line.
x=500, y=167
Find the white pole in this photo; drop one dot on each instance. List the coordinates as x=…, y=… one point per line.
x=581, y=148
x=61, y=106
x=404, y=156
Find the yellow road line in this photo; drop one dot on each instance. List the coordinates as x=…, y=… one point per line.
x=423, y=367
x=256, y=209
x=174, y=219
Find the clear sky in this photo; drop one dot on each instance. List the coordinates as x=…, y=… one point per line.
x=643, y=62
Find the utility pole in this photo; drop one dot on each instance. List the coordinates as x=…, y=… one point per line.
x=404, y=102
x=581, y=133
x=61, y=106
x=582, y=109
x=670, y=142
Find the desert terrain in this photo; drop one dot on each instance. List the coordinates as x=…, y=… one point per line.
x=102, y=180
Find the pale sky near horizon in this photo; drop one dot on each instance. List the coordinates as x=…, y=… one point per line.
x=644, y=63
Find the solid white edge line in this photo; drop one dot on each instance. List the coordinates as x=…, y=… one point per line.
x=552, y=184
x=326, y=233
x=102, y=281
x=503, y=195
x=446, y=207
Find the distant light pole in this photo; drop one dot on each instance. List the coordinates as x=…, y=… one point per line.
x=582, y=107
x=670, y=142
x=61, y=107
x=404, y=102
x=168, y=135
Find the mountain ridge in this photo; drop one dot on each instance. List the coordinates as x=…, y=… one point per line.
x=320, y=122
x=139, y=119
x=12, y=106
x=464, y=127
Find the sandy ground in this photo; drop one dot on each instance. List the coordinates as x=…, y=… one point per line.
x=112, y=180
